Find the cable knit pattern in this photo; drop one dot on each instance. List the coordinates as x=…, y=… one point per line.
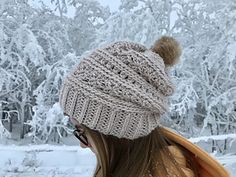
x=118, y=90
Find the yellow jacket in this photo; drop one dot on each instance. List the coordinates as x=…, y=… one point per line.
x=208, y=166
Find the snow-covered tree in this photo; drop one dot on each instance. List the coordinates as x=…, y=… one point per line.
x=47, y=118
x=89, y=16
x=37, y=48
x=141, y=21
x=206, y=77
x=16, y=43
x=31, y=48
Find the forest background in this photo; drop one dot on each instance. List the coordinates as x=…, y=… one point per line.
x=39, y=44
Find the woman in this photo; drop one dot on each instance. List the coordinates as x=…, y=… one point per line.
x=115, y=97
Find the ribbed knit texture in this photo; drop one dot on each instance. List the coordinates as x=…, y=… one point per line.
x=118, y=90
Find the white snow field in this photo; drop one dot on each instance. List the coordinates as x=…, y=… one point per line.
x=60, y=161
x=46, y=161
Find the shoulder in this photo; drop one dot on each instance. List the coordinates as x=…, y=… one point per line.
x=206, y=164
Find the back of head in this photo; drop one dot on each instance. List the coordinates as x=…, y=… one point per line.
x=118, y=93
x=121, y=89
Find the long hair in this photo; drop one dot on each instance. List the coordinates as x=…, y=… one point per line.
x=119, y=157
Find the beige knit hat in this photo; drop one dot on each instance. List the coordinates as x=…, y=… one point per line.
x=121, y=89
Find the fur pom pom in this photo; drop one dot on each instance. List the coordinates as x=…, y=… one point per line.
x=169, y=49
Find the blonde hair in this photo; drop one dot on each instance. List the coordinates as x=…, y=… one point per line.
x=120, y=157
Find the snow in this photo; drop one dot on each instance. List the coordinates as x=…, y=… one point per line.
x=213, y=137
x=60, y=161
x=46, y=160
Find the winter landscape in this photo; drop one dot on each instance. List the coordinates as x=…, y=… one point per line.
x=40, y=41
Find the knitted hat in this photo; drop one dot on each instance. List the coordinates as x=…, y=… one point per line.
x=121, y=89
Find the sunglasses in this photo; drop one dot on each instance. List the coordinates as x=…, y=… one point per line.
x=79, y=133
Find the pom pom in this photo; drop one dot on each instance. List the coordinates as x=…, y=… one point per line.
x=169, y=49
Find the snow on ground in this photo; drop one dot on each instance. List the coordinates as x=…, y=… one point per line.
x=229, y=161
x=60, y=161
x=212, y=137
x=46, y=160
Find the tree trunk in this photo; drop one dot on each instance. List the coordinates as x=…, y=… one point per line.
x=10, y=125
x=22, y=117
x=213, y=145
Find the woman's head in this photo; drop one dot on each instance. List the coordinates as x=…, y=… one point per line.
x=121, y=89
x=117, y=95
